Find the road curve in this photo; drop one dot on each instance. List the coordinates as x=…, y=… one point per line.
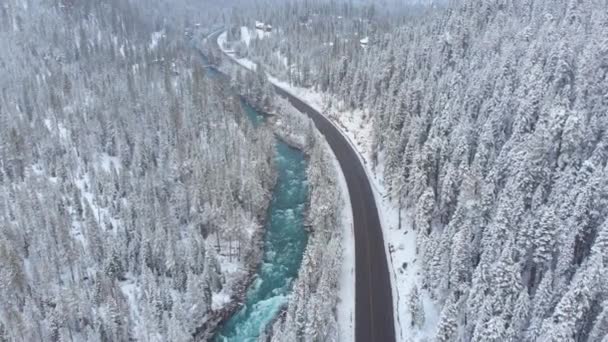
x=374, y=320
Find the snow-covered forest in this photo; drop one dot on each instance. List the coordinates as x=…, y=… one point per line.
x=487, y=124
x=132, y=188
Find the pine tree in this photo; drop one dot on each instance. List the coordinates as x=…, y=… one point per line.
x=600, y=325
x=114, y=267
x=448, y=322
x=416, y=308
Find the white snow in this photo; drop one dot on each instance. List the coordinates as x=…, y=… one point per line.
x=132, y=292
x=346, y=293
x=108, y=162
x=155, y=38
x=57, y=128
x=281, y=58
x=221, y=40
x=400, y=242
x=219, y=300
x=245, y=36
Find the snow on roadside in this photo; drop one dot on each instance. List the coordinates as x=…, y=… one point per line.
x=400, y=242
x=222, y=41
x=346, y=294
x=245, y=36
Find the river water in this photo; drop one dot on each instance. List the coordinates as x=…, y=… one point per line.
x=284, y=242
x=285, y=239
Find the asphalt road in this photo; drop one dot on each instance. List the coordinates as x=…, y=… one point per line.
x=373, y=295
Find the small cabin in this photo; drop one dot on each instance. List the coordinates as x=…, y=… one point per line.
x=364, y=42
x=263, y=27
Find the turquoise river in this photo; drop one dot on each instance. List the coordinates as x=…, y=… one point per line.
x=285, y=240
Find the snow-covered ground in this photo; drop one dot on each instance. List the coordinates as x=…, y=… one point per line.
x=155, y=38
x=132, y=290
x=245, y=36
x=234, y=271
x=346, y=295
x=221, y=40
x=399, y=239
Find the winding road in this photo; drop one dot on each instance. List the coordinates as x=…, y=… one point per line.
x=373, y=295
